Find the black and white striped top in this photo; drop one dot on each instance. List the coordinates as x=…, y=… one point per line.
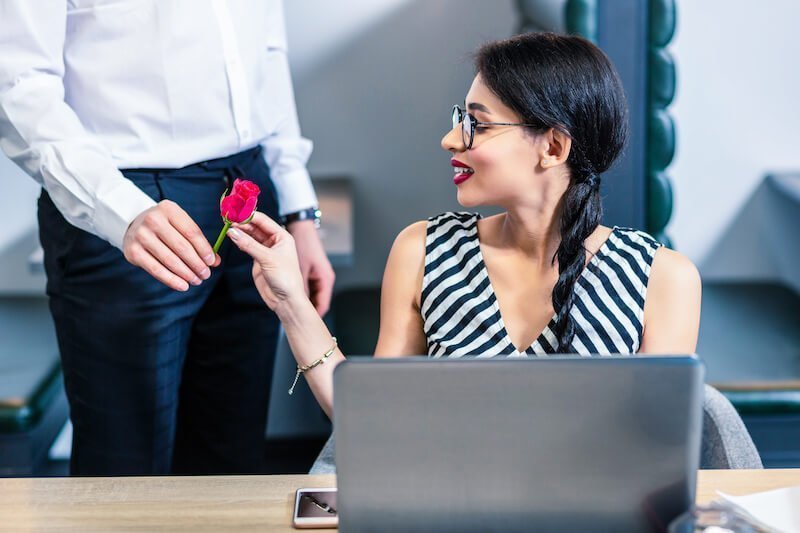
x=460, y=311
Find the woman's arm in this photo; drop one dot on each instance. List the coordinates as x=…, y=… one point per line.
x=277, y=277
x=401, y=330
x=672, y=306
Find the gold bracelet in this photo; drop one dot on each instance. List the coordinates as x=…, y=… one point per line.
x=306, y=368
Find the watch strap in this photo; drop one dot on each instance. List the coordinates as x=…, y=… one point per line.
x=312, y=213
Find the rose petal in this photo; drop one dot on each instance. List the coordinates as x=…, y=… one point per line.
x=231, y=208
x=248, y=208
x=237, y=186
x=245, y=188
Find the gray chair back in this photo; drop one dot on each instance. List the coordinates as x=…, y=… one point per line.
x=726, y=441
x=325, y=463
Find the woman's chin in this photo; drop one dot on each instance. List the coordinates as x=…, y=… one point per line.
x=468, y=199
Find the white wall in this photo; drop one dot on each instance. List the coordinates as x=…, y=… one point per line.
x=738, y=119
x=320, y=29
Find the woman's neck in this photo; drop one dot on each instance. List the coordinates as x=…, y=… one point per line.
x=533, y=231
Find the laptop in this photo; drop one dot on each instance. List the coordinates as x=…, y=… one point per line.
x=559, y=443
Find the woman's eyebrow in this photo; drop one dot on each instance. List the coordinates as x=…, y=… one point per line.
x=474, y=106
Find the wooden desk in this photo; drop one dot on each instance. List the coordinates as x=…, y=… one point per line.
x=741, y=482
x=224, y=503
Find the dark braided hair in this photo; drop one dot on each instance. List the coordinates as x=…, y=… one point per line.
x=566, y=83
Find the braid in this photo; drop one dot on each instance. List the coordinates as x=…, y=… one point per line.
x=581, y=213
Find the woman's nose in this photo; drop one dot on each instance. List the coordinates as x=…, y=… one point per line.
x=451, y=141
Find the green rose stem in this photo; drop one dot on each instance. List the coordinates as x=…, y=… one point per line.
x=222, y=235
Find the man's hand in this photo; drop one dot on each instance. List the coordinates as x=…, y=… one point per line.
x=166, y=242
x=314, y=265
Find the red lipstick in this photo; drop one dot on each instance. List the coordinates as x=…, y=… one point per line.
x=462, y=172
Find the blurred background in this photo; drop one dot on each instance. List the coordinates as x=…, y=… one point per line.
x=712, y=169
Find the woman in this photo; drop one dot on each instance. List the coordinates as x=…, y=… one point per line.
x=545, y=116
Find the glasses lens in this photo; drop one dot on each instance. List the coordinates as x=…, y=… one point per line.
x=465, y=120
x=466, y=131
x=456, y=116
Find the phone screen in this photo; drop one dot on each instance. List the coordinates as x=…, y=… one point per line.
x=315, y=508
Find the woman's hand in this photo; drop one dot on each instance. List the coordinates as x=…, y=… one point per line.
x=276, y=270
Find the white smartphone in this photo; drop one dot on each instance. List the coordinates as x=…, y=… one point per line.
x=315, y=508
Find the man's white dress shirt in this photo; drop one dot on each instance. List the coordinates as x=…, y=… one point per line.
x=88, y=87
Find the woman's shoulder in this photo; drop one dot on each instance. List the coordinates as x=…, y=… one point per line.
x=664, y=260
x=413, y=242
x=668, y=270
x=412, y=235
x=674, y=293
x=672, y=270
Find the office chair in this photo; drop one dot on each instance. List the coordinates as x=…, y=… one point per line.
x=726, y=441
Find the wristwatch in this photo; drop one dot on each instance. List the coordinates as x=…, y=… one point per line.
x=312, y=213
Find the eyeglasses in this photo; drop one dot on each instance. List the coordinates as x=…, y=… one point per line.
x=469, y=123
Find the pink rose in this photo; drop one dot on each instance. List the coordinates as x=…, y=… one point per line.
x=238, y=207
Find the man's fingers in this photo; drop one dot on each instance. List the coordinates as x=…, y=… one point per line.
x=184, y=250
x=165, y=242
x=150, y=265
x=187, y=227
x=168, y=259
x=321, y=292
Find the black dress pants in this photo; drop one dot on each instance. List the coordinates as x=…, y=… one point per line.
x=161, y=381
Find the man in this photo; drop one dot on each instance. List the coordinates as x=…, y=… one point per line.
x=167, y=349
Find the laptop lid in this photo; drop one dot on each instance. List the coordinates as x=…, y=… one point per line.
x=555, y=443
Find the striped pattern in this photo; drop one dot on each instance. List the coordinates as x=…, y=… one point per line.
x=460, y=311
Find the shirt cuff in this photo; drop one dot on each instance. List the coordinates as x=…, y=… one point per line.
x=117, y=208
x=295, y=191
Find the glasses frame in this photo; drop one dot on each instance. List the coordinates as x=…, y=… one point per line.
x=463, y=114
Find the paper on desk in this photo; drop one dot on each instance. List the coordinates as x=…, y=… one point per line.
x=774, y=510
